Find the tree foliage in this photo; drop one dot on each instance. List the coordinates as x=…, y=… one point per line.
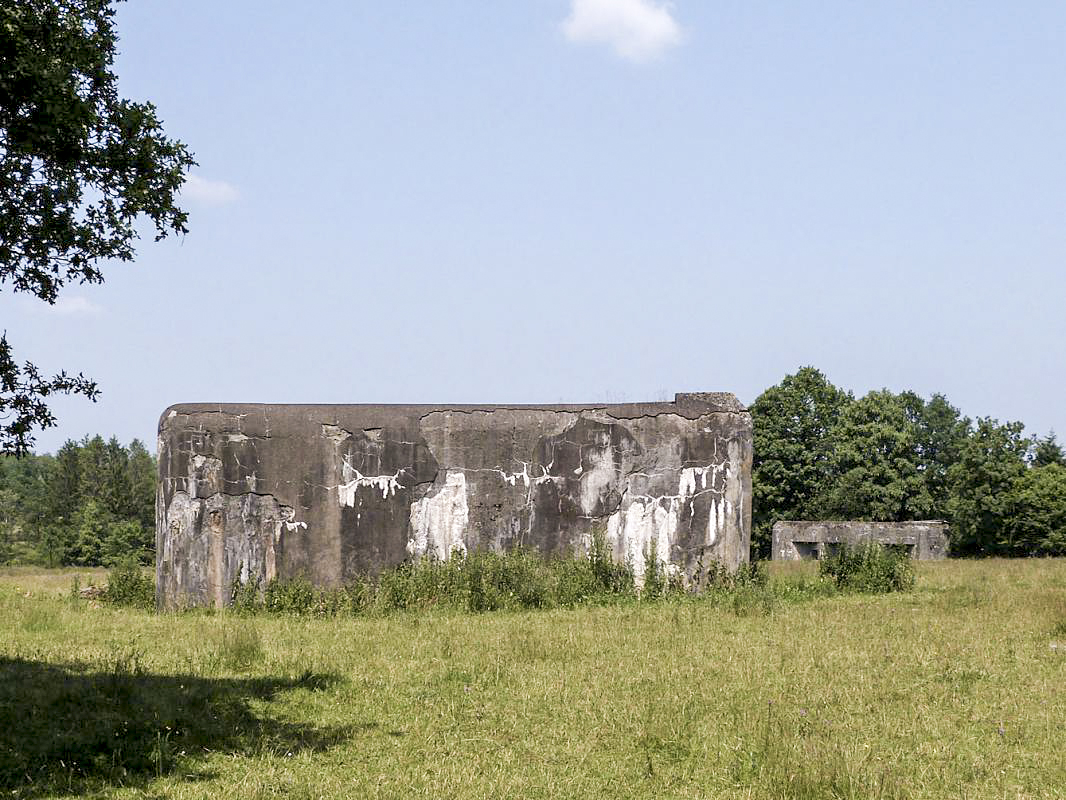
x=1047, y=451
x=983, y=479
x=1037, y=523
x=876, y=467
x=819, y=454
x=794, y=427
x=78, y=166
x=941, y=434
x=91, y=504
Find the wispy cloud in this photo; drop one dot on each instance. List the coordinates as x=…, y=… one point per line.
x=208, y=192
x=638, y=30
x=71, y=306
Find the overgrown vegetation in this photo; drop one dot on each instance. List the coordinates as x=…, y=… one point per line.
x=130, y=586
x=869, y=567
x=522, y=581
x=477, y=582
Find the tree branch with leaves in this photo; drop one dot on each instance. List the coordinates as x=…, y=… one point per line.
x=79, y=165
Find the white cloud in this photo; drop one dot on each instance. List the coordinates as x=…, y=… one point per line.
x=75, y=306
x=208, y=192
x=638, y=30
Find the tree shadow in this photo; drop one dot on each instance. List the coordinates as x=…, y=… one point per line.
x=75, y=728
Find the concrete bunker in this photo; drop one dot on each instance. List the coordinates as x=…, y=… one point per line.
x=800, y=541
x=257, y=492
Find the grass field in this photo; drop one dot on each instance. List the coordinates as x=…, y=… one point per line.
x=954, y=690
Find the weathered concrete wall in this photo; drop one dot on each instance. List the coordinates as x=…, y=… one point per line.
x=334, y=491
x=794, y=541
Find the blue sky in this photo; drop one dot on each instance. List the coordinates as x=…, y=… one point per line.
x=597, y=200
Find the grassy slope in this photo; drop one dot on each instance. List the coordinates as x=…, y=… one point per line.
x=950, y=691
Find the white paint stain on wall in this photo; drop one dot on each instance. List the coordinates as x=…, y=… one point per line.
x=525, y=476
x=645, y=521
x=438, y=521
x=354, y=480
x=205, y=476
x=289, y=521
x=386, y=484
x=593, y=481
x=733, y=494
x=698, y=479
x=635, y=529
x=717, y=516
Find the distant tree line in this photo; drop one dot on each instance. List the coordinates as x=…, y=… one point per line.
x=822, y=453
x=91, y=504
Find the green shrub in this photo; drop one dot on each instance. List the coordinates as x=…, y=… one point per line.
x=245, y=597
x=610, y=576
x=715, y=576
x=753, y=573
x=396, y=588
x=129, y=585
x=655, y=578
x=746, y=591
x=869, y=567
x=574, y=582
x=124, y=541
x=481, y=595
x=477, y=582
x=290, y=596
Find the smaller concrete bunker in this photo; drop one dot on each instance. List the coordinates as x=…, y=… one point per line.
x=926, y=540
x=252, y=492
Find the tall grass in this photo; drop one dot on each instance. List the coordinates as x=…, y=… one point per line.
x=869, y=567
x=485, y=581
x=523, y=580
x=475, y=582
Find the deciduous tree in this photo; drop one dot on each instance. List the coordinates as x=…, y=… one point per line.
x=1037, y=524
x=79, y=165
x=876, y=465
x=793, y=447
x=982, y=484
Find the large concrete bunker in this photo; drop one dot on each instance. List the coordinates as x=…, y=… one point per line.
x=254, y=492
x=797, y=541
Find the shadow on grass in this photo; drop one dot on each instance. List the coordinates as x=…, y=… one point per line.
x=77, y=729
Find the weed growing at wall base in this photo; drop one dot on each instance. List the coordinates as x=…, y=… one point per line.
x=129, y=585
x=475, y=582
x=523, y=580
x=869, y=567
